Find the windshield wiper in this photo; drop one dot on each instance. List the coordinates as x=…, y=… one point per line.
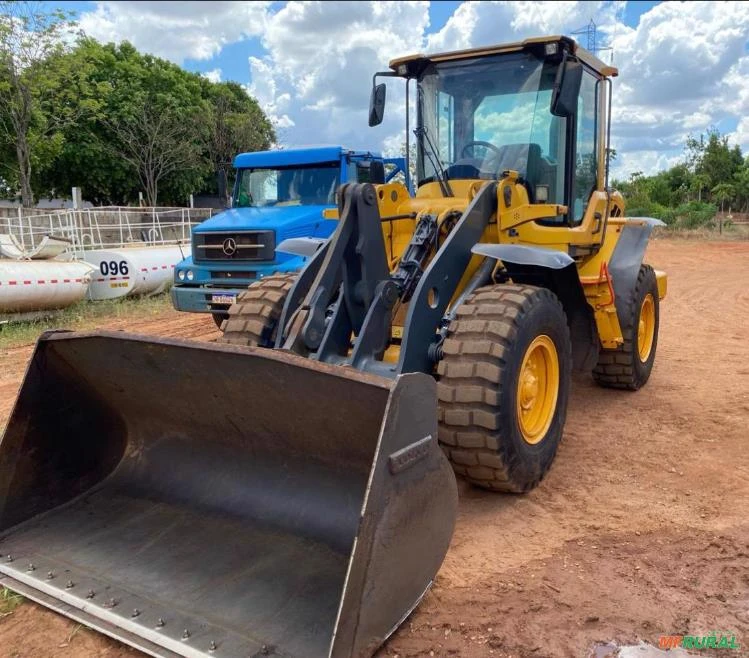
x=422, y=137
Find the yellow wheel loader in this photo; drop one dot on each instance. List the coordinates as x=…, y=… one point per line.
x=290, y=491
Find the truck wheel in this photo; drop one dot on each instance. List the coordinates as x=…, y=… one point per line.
x=504, y=385
x=629, y=366
x=253, y=318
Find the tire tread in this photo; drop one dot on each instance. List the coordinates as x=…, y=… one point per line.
x=470, y=379
x=253, y=317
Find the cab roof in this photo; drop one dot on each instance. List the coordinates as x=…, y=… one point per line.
x=412, y=65
x=289, y=157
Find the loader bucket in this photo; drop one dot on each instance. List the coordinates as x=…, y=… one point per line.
x=210, y=500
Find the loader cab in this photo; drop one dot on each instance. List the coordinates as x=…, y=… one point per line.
x=537, y=108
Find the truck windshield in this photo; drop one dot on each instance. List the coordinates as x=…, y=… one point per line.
x=287, y=186
x=488, y=115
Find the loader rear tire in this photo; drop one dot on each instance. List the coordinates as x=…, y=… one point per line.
x=253, y=318
x=504, y=385
x=629, y=366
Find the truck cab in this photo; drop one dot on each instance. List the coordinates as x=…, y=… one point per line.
x=278, y=195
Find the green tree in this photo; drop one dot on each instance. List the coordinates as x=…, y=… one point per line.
x=741, y=184
x=136, y=93
x=156, y=141
x=719, y=161
x=699, y=182
x=678, y=179
x=86, y=158
x=693, y=152
x=235, y=124
x=31, y=48
x=723, y=192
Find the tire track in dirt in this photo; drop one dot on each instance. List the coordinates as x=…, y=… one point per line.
x=640, y=529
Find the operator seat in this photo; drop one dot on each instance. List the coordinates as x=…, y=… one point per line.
x=523, y=158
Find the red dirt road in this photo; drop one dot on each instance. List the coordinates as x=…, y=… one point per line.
x=640, y=529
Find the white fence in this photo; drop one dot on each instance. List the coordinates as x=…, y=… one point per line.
x=105, y=228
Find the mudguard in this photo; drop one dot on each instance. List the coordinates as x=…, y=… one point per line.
x=627, y=257
x=522, y=255
x=301, y=246
x=556, y=271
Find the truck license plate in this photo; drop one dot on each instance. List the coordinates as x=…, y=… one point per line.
x=223, y=299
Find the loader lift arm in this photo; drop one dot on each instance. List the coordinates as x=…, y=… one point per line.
x=348, y=290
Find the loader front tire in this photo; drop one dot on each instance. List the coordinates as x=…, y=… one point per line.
x=253, y=318
x=630, y=365
x=504, y=385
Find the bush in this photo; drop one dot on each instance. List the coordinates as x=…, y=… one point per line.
x=695, y=214
x=652, y=209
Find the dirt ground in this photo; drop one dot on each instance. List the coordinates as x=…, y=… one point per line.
x=640, y=529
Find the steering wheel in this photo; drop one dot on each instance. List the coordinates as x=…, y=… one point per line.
x=487, y=145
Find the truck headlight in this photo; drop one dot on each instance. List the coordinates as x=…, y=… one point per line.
x=190, y=275
x=181, y=275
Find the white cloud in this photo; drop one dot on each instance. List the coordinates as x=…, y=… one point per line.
x=741, y=134
x=320, y=62
x=684, y=67
x=213, y=75
x=486, y=23
x=176, y=30
x=645, y=161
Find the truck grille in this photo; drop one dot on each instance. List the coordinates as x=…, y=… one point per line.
x=234, y=246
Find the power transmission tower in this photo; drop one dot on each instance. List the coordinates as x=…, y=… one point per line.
x=590, y=32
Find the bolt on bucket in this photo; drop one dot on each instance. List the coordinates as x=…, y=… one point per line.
x=207, y=500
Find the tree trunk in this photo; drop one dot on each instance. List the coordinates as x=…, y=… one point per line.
x=24, y=172
x=152, y=191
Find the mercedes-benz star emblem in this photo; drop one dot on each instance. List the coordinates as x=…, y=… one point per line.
x=230, y=246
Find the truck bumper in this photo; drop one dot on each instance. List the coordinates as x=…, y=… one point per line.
x=199, y=297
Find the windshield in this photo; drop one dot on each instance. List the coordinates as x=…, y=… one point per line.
x=488, y=115
x=313, y=185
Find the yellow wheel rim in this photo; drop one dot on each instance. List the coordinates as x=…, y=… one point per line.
x=646, y=328
x=538, y=389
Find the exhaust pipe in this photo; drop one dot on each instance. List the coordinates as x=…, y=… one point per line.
x=211, y=500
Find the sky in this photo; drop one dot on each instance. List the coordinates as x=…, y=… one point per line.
x=683, y=67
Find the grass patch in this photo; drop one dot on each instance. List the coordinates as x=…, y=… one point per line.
x=732, y=232
x=83, y=315
x=9, y=601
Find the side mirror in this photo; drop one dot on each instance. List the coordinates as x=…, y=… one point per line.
x=566, y=89
x=377, y=105
x=370, y=171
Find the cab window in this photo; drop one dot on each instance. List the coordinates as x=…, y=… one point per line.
x=586, y=152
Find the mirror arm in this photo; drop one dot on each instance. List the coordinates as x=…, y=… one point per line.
x=383, y=74
x=389, y=74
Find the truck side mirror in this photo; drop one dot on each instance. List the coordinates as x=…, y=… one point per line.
x=377, y=105
x=567, y=89
x=370, y=171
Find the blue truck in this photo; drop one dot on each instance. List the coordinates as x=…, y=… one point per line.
x=278, y=195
